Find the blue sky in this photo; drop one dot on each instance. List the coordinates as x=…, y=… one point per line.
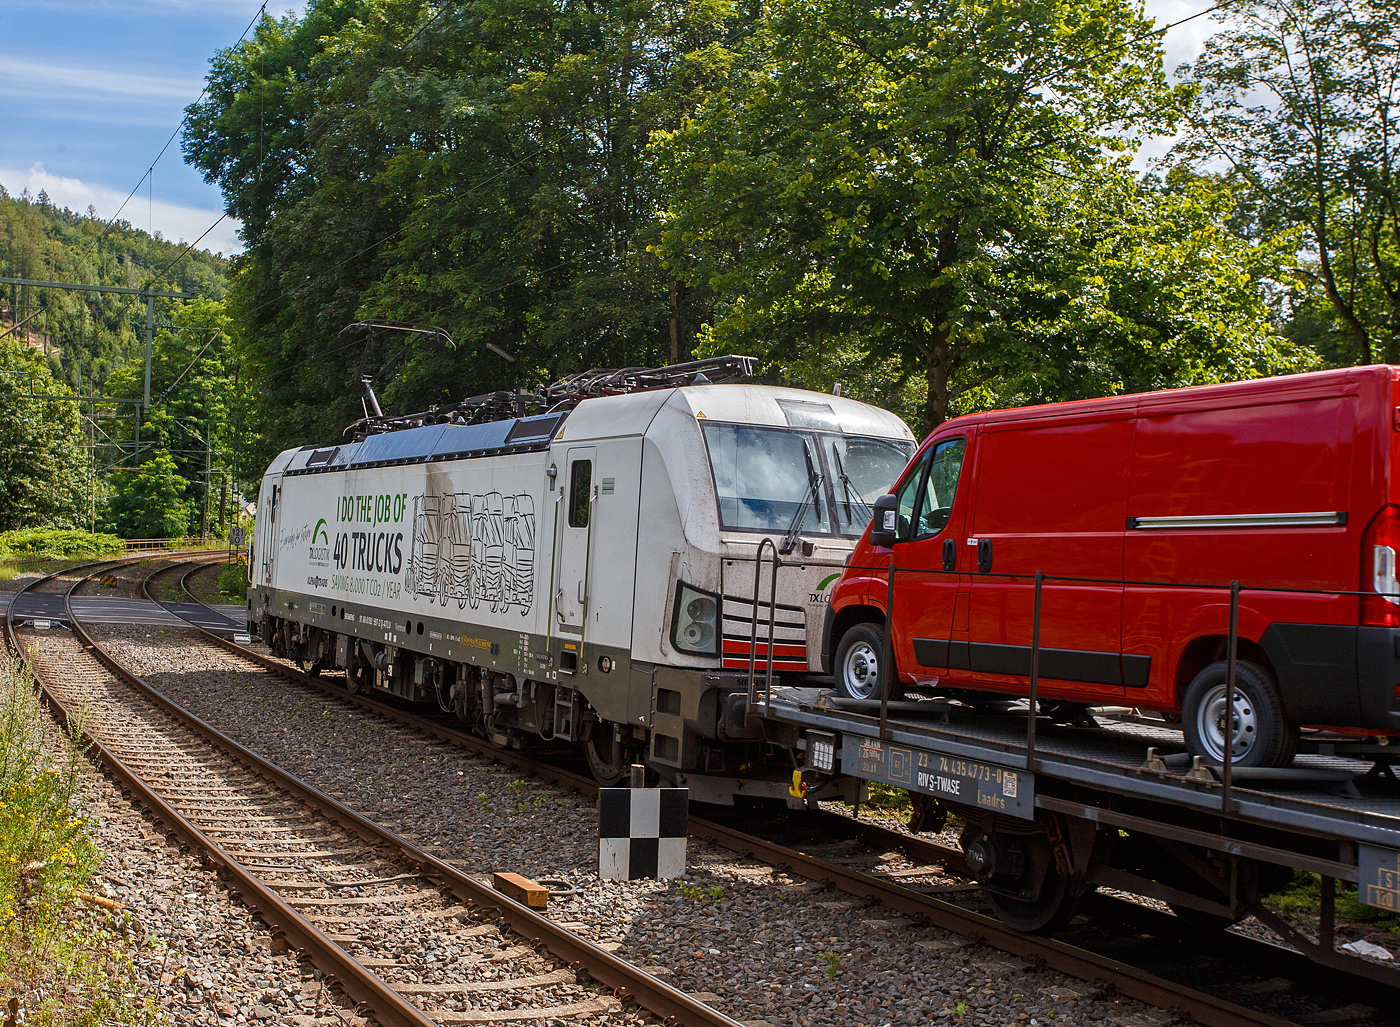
x=90, y=90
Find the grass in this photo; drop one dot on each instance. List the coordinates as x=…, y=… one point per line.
x=1304, y=896
x=62, y=963
x=56, y=544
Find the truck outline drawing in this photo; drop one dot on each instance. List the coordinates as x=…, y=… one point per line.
x=473, y=548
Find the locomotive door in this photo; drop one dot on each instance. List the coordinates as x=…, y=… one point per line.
x=571, y=599
x=265, y=531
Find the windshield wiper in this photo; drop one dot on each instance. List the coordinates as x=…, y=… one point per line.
x=812, y=497
x=848, y=489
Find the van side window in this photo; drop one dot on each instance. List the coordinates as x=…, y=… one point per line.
x=582, y=478
x=942, y=485
x=906, y=497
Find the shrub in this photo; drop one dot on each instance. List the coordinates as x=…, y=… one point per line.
x=147, y=502
x=56, y=543
x=233, y=582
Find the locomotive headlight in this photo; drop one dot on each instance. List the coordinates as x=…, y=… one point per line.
x=695, y=623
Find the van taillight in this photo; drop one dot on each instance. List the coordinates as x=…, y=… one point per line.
x=1379, y=547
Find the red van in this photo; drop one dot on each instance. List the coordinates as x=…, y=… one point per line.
x=1288, y=485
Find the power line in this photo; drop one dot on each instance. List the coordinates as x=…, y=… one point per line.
x=149, y=171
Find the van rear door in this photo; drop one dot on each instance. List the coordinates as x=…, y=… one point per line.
x=1051, y=496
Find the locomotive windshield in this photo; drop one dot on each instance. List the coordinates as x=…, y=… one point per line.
x=763, y=476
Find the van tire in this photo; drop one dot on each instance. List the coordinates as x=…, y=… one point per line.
x=1271, y=740
x=861, y=668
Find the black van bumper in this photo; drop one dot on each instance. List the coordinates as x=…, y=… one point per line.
x=1333, y=674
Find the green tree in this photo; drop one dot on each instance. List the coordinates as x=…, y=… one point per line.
x=871, y=171
x=45, y=472
x=201, y=402
x=1132, y=286
x=149, y=502
x=1299, y=98
x=482, y=168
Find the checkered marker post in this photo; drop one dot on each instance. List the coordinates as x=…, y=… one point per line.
x=641, y=832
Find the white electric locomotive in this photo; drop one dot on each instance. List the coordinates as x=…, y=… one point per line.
x=585, y=573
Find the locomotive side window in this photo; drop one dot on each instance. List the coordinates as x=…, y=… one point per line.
x=580, y=480
x=937, y=502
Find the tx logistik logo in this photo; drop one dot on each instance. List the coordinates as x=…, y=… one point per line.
x=320, y=545
x=821, y=594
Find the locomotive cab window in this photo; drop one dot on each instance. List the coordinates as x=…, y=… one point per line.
x=861, y=472
x=936, y=501
x=580, y=480
x=765, y=478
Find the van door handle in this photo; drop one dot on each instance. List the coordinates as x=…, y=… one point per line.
x=984, y=555
x=950, y=555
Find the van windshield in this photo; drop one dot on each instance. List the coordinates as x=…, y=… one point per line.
x=763, y=475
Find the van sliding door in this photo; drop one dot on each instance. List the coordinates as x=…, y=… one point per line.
x=1051, y=497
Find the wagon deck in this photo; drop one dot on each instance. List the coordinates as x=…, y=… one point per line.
x=1335, y=812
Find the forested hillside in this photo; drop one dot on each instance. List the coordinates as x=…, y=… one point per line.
x=67, y=464
x=39, y=241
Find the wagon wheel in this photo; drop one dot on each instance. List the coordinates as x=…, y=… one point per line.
x=1046, y=913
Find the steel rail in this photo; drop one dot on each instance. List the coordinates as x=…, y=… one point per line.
x=626, y=980
x=1068, y=959
x=359, y=983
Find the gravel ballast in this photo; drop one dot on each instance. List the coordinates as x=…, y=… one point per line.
x=761, y=945
x=197, y=952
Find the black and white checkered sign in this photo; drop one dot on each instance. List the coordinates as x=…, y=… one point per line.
x=641, y=832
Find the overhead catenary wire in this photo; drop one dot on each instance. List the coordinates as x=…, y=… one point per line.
x=173, y=135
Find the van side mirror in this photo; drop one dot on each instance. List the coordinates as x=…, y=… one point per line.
x=884, y=525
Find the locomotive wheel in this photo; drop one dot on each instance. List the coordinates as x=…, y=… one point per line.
x=357, y=678
x=1261, y=735
x=1047, y=913
x=860, y=664
x=311, y=668
x=597, y=750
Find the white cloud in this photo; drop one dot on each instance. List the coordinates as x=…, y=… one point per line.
x=37, y=78
x=174, y=221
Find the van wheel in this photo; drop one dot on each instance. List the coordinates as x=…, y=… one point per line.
x=1261, y=733
x=860, y=664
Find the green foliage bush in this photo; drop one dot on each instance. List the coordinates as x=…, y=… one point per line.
x=56, y=543
x=148, y=502
x=233, y=582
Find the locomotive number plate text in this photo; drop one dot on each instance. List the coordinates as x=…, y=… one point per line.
x=945, y=777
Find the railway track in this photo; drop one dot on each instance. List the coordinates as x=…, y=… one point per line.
x=851, y=872
x=358, y=900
